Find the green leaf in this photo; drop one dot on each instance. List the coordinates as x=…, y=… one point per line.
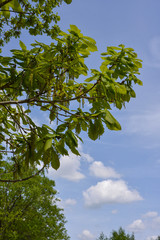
x=22, y=45
x=48, y=144
x=62, y=106
x=99, y=126
x=61, y=128
x=75, y=151
x=55, y=163
x=60, y=148
x=75, y=29
x=68, y=1
x=133, y=94
x=111, y=122
x=92, y=132
x=108, y=117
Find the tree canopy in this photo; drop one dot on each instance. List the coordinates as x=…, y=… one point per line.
x=49, y=78
x=29, y=210
x=117, y=235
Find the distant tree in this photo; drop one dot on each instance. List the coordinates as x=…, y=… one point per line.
x=158, y=238
x=29, y=211
x=117, y=235
x=121, y=235
x=102, y=237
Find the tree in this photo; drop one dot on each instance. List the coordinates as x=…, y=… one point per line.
x=117, y=235
x=121, y=235
x=102, y=237
x=28, y=210
x=46, y=78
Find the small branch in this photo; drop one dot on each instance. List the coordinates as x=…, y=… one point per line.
x=4, y=10
x=24, y=179
x=4, y=3
x=6, y=151
x=30, y=100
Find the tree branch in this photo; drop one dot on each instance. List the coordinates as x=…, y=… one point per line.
x=30, y=100
x=23, y=179
x=4, y=10
x=4, y=3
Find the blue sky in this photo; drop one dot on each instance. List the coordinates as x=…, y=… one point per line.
x=115, y=182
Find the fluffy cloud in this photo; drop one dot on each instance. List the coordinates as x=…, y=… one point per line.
x=150, y=220
x=86, y=235
x=151, y=214
x=137, y=226
x=99, y=170
x=109, y=191
x=69, y=169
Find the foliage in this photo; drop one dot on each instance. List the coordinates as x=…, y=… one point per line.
x=47, y=78
x=35, y=16
x=117, y=235
x=28, y=210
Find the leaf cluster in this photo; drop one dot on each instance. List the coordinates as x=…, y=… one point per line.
x=35, y=16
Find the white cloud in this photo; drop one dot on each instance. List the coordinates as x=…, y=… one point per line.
x=115, y=211
x=146, y=123
x=152, y=238
x=156, y=221
x=86, y=235
x=151, y=214
x=67, y=203
x=137, y=226
x=70, y=166
x=69, y=169
x=86, y=157
x=70, y=201
x=99, y=170
x=151, y=220
x=109, y=191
